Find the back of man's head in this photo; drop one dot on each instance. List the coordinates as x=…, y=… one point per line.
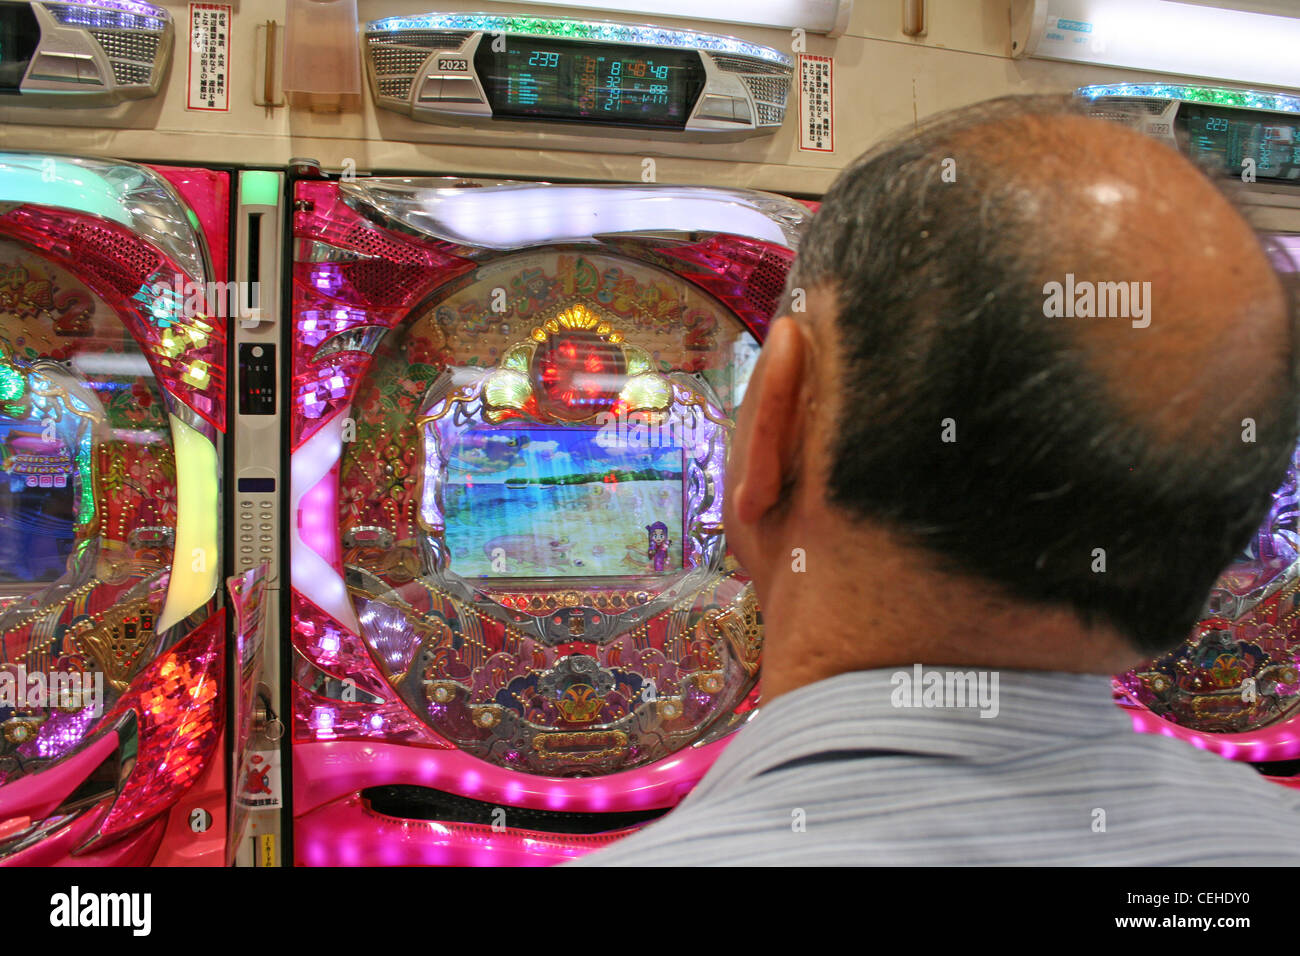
x=995, y=412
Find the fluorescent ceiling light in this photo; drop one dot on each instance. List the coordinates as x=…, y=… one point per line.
x=1162, y=36
x=814, y=16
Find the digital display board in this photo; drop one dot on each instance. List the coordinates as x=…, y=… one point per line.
x=1224, y=139
x=615, y=84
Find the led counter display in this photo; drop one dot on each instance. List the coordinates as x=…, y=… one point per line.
x=1225, y=138
x=607, y=83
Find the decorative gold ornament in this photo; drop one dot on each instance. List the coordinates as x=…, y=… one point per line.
x=115, y=647
x=580, y=746
x=487, y=715
x=742, y=626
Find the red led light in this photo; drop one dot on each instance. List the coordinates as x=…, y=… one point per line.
x=577, y=375
x=178, y=701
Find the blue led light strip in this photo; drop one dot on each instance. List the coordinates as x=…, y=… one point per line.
x=565, y=29
x=109, y=14
x=1214, y=95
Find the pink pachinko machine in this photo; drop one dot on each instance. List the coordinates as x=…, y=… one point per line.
x=517, y=630
x=112, y=414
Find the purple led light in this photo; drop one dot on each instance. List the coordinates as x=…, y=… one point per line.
x=386, y=630
x=336, y=382
x=329, y=644
x=322, y=721
x=332, y=383
x=316, y=325
x=327, y=278
x=59, y=734
x=312, y=406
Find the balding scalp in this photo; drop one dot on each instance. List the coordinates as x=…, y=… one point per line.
x=1014, y=445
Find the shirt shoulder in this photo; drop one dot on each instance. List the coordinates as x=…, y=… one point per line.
x=1121, y=799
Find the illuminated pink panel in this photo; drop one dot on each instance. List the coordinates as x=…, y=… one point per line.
x=1277, y=742
x=348, y=833
x=328, y=770
x=318, y=519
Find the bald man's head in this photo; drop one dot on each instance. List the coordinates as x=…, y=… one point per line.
x=1065, y=363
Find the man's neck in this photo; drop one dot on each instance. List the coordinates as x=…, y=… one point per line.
x=849, y=613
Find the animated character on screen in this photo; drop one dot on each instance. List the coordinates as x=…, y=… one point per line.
x=658, y=545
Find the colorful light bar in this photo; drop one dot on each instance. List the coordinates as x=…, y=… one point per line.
x=597, y=30
x=1216, y=95
x=196, y=562
x=830, y=17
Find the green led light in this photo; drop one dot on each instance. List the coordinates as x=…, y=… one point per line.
x=598, y=30
x=1216, y=95
x=86, y=507
x=13, y=384
x=259, y=187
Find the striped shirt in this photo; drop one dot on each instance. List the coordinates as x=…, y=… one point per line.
x=837, y=773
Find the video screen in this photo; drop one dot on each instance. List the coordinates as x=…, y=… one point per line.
x=37, y=501
x=537, y=502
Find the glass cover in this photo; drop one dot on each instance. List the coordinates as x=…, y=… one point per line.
x=87, y=509
x=531, y=513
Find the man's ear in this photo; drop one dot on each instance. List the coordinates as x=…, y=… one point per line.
x=773, y=407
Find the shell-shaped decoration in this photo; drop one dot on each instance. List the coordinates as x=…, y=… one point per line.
x=646, y=391
x=507, y=388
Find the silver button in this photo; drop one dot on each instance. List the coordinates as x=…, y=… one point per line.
x=714, y=107
x=457, y=89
